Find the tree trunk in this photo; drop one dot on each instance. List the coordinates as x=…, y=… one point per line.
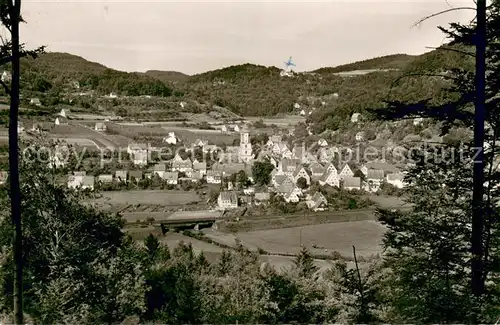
x=15, y=194
x=477, y=280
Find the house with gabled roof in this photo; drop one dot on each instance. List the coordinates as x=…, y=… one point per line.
x=351, y=183
x=346, y=171
x=291, y=197
x=322, y=143
x=317, y=202
x=227, y=200
x=331, y=168
x=325, y=155
x=300, y=172
x=375, y=178
x=105, y=178
x=317, y=170
x=331, y=178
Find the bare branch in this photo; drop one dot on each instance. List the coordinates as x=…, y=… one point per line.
x=5, y=87
x=451, y=50
x=440, y=13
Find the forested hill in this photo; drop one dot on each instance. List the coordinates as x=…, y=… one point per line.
x=253, y=90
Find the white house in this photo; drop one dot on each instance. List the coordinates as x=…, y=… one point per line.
x=360, y=136
x=171, y=138
x=61, y=121
x=346, y=171
x=296, y=105
x=62, y=113
x=417, y=121
x=100, y=126
x=300, y=172
x=396, y=179
x=200, y=167
x=35, y=101
x=214, y=177
x=292, y=195
x=81, y=181
x=139, y=153
x=330, y=177
x=322, y=143
x=6, y=76
x=302, y=112
x=355, y=117
x=227, y=200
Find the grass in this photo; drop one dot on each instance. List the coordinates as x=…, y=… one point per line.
x=339, y=237
x=149, y=197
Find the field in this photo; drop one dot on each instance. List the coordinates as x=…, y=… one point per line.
x=327, y=238
x=149, y=197
x=290, y=120
x=186, y=135
x=213, y=252
x=79, y=131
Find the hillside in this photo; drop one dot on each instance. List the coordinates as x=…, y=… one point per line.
x=394, y=61
x=57, y=71
x=167, y=76
x=248, y=89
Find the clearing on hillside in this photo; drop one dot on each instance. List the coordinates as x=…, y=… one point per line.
x=366, y=236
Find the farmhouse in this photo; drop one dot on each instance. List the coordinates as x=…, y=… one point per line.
x=99, y=126
x=81, y=181
x=227, y=200
x=261, y=197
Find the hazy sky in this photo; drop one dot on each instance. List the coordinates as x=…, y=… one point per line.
x=196, y=36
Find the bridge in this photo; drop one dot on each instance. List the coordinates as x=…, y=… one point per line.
x=181, y=220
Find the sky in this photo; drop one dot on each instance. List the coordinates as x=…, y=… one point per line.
x=197, y=36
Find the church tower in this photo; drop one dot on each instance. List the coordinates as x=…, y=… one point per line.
x=245, y=146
